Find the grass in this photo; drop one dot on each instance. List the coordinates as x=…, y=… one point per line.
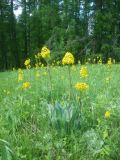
x=37, y=124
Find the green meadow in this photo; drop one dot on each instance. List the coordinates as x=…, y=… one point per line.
x=51, y=120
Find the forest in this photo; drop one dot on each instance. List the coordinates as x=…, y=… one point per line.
x=89, y=29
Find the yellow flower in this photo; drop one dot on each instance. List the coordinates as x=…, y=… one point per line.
x=107, y=114
x=20, y=74
x=26, y=85
x=68, y=58
x=27, y=62
x=81, y=86
x=109, y=62
x=83, y=72
x=45, y=52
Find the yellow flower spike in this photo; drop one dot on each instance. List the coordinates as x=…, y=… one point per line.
x=83, y=72
x=81, y=86
x=109, y=62
x=107, y=114
x=26, y=85
x=45, y=52
x=68, y=58
x=27, y=62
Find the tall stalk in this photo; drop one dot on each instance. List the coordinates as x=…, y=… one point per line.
x=70, y=81
x=50, y=79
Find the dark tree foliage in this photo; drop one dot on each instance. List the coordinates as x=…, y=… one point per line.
x=87, y=28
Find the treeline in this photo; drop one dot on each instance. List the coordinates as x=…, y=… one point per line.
x=88, y=28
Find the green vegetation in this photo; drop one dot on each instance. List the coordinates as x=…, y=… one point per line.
x=87, y=28
x=42, y=121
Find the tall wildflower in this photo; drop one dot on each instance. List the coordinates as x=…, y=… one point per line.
x=109, y=62
x=20, y=74
x=45, y=52
x=68, y=58
x=107, y=114
x=81, y=86
x=83, y=72
x=27, y=63
x=26, y=85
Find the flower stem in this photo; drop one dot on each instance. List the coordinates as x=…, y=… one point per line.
x=50, y=80
x=70, y=81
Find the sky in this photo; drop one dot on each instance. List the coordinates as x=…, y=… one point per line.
x=18, y=11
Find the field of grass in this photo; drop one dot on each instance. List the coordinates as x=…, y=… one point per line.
x=51, y=120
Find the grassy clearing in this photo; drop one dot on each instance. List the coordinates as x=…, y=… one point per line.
x=37, y=124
